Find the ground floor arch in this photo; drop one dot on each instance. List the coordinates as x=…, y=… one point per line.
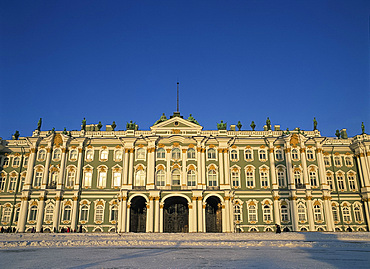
x=138, y=215
x=175, y=215
x=213, y=215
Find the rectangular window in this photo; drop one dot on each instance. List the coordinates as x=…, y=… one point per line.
x=12, y=184
x=87, y=179
x=235, y=178
x=23, y=179
x=116, y=179
x=264, y=179
x=352, y=183
x=250, y=179
x=2, y=183
x=340, y=180
x=102, y=179
x=38, y=179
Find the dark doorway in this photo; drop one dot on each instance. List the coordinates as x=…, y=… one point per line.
x=138, y=215
x=176, y=215
x=213, y=215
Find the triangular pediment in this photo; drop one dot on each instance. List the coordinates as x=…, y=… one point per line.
x=176, y=123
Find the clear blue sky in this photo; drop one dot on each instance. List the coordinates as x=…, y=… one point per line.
x=235, y=60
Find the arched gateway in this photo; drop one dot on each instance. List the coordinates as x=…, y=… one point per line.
x=138, y=215
x=176, y=215
x=213, y=215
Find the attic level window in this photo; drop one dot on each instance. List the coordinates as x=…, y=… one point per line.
x=176, y=123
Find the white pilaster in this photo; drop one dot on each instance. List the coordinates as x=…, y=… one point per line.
x=200, y=214
x=46, y=170
x=183, y=178
x=156, y=219
x=131, y=168
x=161, y=205
x=40, y=213
x=221, y=162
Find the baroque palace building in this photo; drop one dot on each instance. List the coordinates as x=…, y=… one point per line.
x=178, y=177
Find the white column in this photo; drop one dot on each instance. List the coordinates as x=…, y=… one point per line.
x=203, y=161
x=29, y=175
x=224, y=217
x=221, y=163
x=293, y=206
x=156, y=219
x=194, y=217
x=204, y=216
x=40, y=213
x=227, y=168
x=200, y=167
x=23, y=214
x=190, y=221
x=161, y=205
x=168, y=168
x=46, y=170
x=276, y=208
x=74, y=212
x=272, y=169
x=231, y=217
x=62, y=169
x=147, y=226
x=367, y=212
x=183, y=178
x=304, y=167
x=291, y=183
x=365, y=169
x=56, y=215
x=150, y=169
x=200, y=214
x=311, y=222
x=131, y=168
x=151, y=214
x=328, y=212
x=128, y=217
x=227, y=211
x=126, y=157
x=124, y=214
x=78, y=180
x=322, y=173
x=360, y=172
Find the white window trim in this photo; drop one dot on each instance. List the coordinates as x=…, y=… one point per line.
x=248, y=160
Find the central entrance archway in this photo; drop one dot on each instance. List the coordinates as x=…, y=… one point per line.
x=176, y=215
x=213, y=215
x=138, y=215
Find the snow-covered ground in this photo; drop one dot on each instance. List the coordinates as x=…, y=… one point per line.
x=247, y=250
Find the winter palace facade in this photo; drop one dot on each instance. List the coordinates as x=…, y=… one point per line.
x=177, y=177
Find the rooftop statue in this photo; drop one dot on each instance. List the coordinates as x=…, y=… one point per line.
x=337, y=134
x=99, y=125
x=253, y=125
x=239, y=125
x=84, y=124
x=161, y=119
x=64, y=131
x=268, y=123
x=287, y=131
x=314, y=124
x=363, y=128
x=191, y=119
x=114, y=125
x=131, y=126
x=16, y=135
x=221, y=126
x=39, y=124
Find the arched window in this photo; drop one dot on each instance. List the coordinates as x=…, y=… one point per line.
x=358, y=213
x=176, y=154
x=327, y=161
x=140, y=154
x=175, y=177
x=278, y=154
x=295, y=155
x=235, y=178
x=249, y=178
x=7, y=211
x=84, y=213
x=302, y=213
x=248, y=154
x=57, y=154
x=161, y=153
x=16, y=161
x=297, y=179
x=67, y=213
x=38, y=178
x=346, y=214
x=70, y=181
x=237, y=213
x=267, y=213
x=89, y=155
x=6, y=161
x=73, y=154
x=161, y=178
x=99, y=213
x=284, y=213
x=41, y=155
x=191, y=153
x=234, y=154
x=337, y=161
x=334, y=209
x=33, y=213
x=317, y=213
x=348, y=161
x=191, y=178
x=49, y=212
x=281, y=177
x=262, y=155
x=102, y=179
x=310, y=155
x=116, y=179
x=104, y=155
x=140, y=178
x=252, y=213
x=113, y=213
x=87, y=179
x=212, y=178
x=313, y=178
x=118, y=155
x=211, y=154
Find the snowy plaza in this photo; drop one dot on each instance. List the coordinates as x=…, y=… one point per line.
x=139, y=250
